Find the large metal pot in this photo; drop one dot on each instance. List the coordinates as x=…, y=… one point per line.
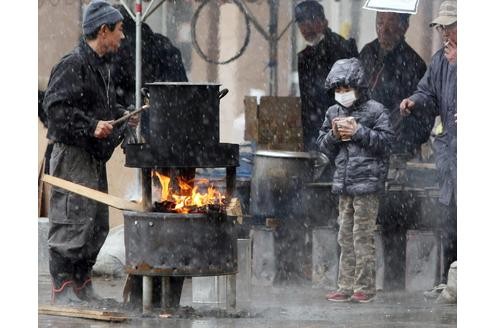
x=185, y=113
x=170, y=244
x=277, y=181
x=181, y=129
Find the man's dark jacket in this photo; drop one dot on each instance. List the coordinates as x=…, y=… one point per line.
x=314, y=63
x=361, y=164
x=436, y=94
x=392, y=77
x=80, y=93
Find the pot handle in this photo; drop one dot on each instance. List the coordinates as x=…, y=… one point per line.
x=146, y=95
x=247, y=160
x=321, y=160
x=320, y=163
x=222, y=93
x=145, y=92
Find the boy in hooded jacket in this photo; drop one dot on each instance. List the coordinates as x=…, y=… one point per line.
x=357, y=136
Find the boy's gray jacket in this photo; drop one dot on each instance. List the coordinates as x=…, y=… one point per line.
x=361, y=164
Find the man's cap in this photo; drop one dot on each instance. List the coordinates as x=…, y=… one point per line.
x=308, y=10
x=97, y=13
x=447, y=14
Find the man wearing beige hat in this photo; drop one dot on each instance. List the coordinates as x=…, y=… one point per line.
x=436, y=94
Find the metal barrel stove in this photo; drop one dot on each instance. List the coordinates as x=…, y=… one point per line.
x=180, y=133
x=173, y=244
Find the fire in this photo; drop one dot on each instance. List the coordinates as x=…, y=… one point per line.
x=189, y=197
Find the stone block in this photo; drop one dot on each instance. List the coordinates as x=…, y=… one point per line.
x=43, y=224
x=264, y=267
x=422, y=260
x=325, y=257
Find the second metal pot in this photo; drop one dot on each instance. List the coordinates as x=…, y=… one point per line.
x=277, y=182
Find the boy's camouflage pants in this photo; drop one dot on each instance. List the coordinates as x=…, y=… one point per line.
x=357, y=220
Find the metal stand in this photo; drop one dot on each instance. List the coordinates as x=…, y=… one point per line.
x=166, y=290
x=231, y=293
x=147, y=294
x=145, y=174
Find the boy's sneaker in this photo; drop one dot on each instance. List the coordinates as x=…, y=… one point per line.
x=361, y=297
x=338, y=297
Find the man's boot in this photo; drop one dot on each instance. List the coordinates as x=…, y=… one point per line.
x=83, y=284
x=63, y=294
x=86, y=292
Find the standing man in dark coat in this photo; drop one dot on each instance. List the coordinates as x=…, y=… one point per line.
x=80, y=106
x=437, y=94
x=395, y=69
x=314, y=63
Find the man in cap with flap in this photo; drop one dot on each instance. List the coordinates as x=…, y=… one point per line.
x=80, y=106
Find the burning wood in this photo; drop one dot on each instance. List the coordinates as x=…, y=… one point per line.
x=189, y=199
x=170, y=207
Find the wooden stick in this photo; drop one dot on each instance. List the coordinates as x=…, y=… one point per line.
x=119, y=203
x=125, y=117
x=40, y=186
x=82, y=313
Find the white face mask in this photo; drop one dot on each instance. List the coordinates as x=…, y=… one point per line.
x=316, y=40
x=346, y=99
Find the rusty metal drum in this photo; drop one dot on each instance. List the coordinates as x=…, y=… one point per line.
x=172, y=244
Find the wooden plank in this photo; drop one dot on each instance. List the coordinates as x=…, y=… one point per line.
x=416, y=165
x=234, y=207
x=119, y=203
x=250, y=118
x=82, y=313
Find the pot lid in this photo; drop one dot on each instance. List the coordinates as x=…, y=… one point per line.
x=283, y=154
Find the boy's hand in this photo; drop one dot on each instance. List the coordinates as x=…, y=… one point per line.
x=335, y=130
x=347, y=128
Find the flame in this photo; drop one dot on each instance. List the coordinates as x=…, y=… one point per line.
x=164, y=181
x=189, y=196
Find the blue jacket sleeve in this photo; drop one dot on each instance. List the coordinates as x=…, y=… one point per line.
x=424, y=97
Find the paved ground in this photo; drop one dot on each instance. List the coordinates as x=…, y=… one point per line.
x=274, y=307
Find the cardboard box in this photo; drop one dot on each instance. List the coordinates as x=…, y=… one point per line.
x=275, y=123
